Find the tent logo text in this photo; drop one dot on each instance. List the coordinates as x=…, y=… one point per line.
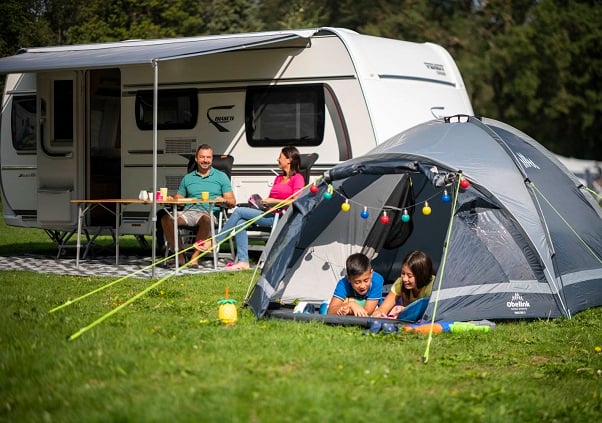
x=518, y=304
x=527, y=162
x=217, y=120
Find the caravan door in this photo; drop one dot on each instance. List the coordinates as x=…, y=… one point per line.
x=61, y=138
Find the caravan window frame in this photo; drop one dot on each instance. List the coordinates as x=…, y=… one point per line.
x=22, y=123
x=285, y=115
x=182, y=104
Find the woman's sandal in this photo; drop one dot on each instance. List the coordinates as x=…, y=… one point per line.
x=235, y=267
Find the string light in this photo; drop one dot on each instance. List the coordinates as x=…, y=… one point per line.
x=364, y=214
x=313, y=188
x=384, y=218
x=445, y=197
x=346, y=206
x=405, y=217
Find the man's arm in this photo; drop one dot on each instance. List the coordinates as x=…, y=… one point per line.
x=227, y=199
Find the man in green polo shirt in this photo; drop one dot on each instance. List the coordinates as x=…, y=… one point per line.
x=203, y=178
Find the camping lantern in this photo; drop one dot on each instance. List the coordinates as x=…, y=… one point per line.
x=405, y=217
x=227, y=310
x=364, y=214
x=345, y=206
x=426, y=210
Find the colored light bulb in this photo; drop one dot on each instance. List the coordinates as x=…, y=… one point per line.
x=364, y=214
x=464, y=183
x=313, y=188
x=405, y=217
x=345, y=206
x=426, y=210
x=445, y=197
x=384, y=218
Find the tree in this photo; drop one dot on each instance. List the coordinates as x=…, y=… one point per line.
x=547, y=75
x=116, y=20
x=22, y=24
x=232, y=16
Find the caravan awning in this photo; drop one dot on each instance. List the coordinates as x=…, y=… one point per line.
x=87, y=56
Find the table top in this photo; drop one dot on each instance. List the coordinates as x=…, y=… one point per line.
x=138, y=201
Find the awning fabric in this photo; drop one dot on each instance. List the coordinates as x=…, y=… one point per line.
x=138, y=52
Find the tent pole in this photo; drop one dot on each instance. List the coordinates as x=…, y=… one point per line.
x=155, y=64
x=425, y=357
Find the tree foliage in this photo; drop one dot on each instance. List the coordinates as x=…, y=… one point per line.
x=534, y=64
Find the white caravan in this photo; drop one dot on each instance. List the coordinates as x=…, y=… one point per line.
x=78, y=122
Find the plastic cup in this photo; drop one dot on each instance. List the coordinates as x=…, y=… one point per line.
x=163, y=192
x=205, y=195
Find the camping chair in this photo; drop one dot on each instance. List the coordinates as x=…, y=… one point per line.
x=187, y=234
x=263, y=233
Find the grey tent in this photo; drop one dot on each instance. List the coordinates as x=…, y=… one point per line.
x=525, y=240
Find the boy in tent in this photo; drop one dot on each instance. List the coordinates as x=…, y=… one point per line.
x=360, y=291
x=415, y=283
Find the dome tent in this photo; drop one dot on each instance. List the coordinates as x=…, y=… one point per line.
x=524, y=241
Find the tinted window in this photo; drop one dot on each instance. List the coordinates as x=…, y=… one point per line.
x=63, y=112
x=178, y=109
x=23, y=118
x=290, y=115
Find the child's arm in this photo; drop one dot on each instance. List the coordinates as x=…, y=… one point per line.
x=370, y=307
x=386, y=306
x=337, y=306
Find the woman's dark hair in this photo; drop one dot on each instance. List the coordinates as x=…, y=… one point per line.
x=357, y=264
x=292, y=154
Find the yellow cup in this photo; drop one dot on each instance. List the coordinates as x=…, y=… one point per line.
x=163, y=192
x=205, y=195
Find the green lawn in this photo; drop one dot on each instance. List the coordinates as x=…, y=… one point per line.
x=167, y=358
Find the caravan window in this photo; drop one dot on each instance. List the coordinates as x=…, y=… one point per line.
x=285, y=115
x=63, y=112
x=23, y=119
x=178, y=109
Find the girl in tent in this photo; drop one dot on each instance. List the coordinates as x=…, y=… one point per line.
x=415, y=283
x=360, y=291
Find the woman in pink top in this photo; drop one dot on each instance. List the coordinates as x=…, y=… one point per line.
x=285, y=185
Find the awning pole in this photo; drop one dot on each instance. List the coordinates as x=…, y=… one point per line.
x=155, y=63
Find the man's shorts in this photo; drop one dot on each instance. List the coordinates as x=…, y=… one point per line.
x=192, y=216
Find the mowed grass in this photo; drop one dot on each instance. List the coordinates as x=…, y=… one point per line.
x=167, y=358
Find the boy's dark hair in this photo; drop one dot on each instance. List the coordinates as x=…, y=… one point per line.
x=357, y=264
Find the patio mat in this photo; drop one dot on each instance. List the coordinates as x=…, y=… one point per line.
x=99, y=266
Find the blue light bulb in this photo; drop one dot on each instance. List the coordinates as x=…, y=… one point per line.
x=445, y=197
